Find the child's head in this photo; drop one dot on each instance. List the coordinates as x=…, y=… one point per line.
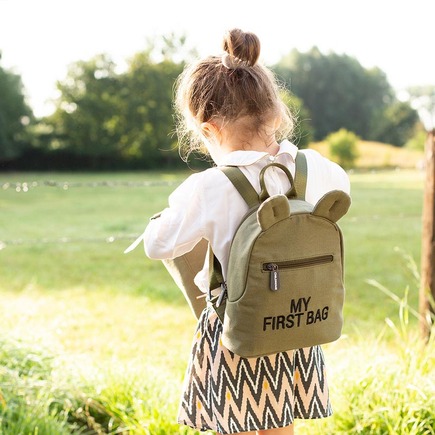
x=233, y=93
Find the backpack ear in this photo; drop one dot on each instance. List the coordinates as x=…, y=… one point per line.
x=274, y=209
x=333, y=206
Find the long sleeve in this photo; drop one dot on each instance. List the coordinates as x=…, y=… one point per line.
x=180, y=226
x=324, y=176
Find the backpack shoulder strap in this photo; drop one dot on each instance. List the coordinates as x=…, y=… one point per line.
x=301, y=175
x=249, y=194
x=242, y=184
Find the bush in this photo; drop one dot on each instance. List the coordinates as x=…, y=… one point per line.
x=342, y=146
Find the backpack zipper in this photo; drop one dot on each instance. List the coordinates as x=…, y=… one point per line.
x=275, y=267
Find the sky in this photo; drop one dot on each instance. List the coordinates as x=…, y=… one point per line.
x=40, y=38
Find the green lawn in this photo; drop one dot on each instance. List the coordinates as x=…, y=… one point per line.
x=116, y=320
x=56, y=239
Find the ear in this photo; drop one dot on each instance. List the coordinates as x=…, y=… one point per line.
x=211, y=131
x=274, y=209
x=333, y=206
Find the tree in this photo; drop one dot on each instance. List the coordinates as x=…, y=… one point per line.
x=397, y=124
x=87, y=110
x=15, y=115
x=337, y=91
x=147, y=114
x=124, y=117
x=146, y=118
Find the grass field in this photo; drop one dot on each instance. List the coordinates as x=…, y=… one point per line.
x=106, y=336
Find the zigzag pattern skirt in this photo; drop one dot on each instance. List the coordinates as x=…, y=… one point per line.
x=229, y=394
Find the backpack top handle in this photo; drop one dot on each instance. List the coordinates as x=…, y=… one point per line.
x=298, y=183
x=264, y=194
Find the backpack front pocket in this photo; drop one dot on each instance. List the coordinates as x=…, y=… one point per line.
x=275, y=267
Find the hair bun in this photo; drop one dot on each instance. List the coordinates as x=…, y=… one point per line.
x=242, y=49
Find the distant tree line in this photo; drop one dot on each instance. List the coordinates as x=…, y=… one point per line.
x=107, y=119
x=15, y=116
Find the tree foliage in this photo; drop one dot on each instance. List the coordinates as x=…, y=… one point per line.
x=398, y=124
x=339, y=93
x=87, y=109
x=104, y=115
x=15, y=115
x=106, y=118
x=147, y=116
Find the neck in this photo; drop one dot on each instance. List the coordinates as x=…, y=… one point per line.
x=255, y=144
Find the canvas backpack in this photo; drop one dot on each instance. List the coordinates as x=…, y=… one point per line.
x=284, y=287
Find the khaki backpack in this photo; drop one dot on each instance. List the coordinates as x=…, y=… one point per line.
x=284, y=288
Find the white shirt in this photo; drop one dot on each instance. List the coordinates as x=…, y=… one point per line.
x=207, y=205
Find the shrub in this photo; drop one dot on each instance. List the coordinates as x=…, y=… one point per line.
x=342, y=145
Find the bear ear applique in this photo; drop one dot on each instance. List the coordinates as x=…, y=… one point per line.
x=274, y=209
x=333, y=205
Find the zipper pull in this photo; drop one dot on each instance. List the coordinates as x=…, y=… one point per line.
x=274, y=276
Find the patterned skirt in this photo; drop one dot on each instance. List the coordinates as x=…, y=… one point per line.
x=229, y=394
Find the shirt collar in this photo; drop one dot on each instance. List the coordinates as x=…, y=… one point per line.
x=246, y=158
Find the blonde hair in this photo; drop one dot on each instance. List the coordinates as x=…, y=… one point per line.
x=226, y=88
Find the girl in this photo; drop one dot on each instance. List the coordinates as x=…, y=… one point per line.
x=229, y=107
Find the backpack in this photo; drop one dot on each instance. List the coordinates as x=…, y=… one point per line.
x=285, y=280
